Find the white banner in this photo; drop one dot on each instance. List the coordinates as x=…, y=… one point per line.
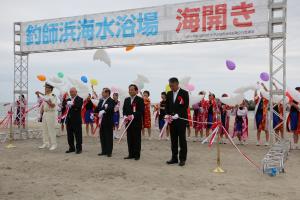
x=192, y=21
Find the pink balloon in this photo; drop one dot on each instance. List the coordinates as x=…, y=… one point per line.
x=114, y=90
x=190, y=87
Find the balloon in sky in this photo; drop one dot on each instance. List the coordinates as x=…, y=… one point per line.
x=84, y=79
x=142, y=78
x=140, y=85
x=129, y=48
x=233, y=100
x=190, y=87
x=41, y=77
x=264, y=76
x=195, y=99
x=183, y=82
x=168, y=89
x=56, y=80
x=60, y=75
x=114, y=89
x=230, y=65
x=94, y=82
x=244, y=89
x=102, y=55
x=293, y=94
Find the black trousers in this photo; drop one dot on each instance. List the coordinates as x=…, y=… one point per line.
x=134, y=141
x=74, y=130
x=177, y=132
x=106, y=139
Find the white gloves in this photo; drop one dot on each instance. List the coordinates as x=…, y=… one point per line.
x=130, y=117
x=69, y=104
x=175, y=116
x=101, y=113
x=92, y=116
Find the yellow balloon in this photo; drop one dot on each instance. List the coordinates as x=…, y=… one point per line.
x=94, y=82
x=168, y=89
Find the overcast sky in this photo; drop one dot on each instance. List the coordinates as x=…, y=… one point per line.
x=204, y=62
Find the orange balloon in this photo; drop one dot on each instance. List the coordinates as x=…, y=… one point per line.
x=41, y=77
x=129, y=48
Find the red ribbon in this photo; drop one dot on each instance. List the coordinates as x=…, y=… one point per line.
x=130, y=121
x=98, y=126
x=168, y=120
x=181, y=101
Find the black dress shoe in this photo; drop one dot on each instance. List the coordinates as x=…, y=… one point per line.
x=170, y=162
x=137, y=158
x=78, y=151
x=109, y=155
x=181, y=163
x=128, y=157
x=101, y=154
x=70, y=151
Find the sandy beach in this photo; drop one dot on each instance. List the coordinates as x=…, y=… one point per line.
x=29, y=173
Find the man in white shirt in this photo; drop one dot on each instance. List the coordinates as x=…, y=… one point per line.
x=49, y=116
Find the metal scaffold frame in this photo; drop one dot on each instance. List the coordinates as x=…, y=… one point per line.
x=277, y=53
x=20, y=80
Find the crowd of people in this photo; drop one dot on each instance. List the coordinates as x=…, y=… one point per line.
x=173, y=109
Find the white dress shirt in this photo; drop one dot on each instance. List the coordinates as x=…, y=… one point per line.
x=132, y=99
x=175, y=95
x=104, y=101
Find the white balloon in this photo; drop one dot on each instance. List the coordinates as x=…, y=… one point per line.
x=195, y=99
x=56, y=80
x=233, y=100
x=55, y=85
x=276, y=98
x=265, y=94
x=72, y=81
x=139, y=84
x=294, y=94
x=82, y=89
x=142, y=79
x=245, y=89
x=102, y=55
x=62, y=87
x=184, y=82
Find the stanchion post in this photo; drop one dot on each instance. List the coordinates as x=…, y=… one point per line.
x=218, y=169
x=10, y=144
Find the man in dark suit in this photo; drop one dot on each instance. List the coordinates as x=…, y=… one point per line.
x=176, y=107
x=74, y=122
x=133, y=108
x=105, y=109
